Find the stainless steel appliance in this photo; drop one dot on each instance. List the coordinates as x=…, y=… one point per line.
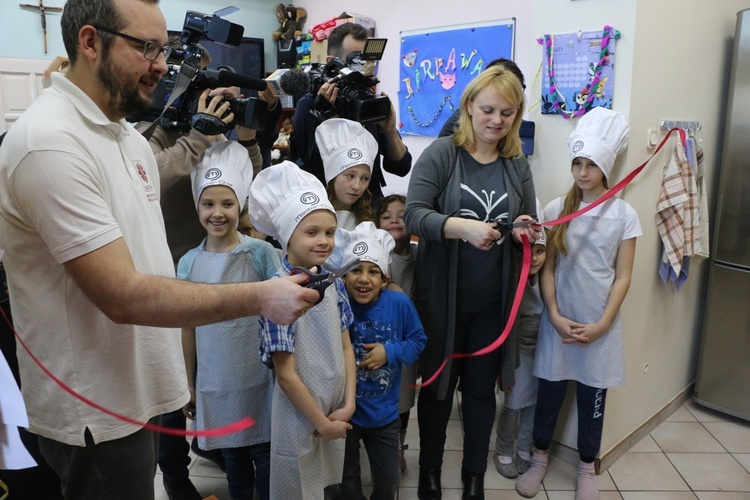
x=724, y=361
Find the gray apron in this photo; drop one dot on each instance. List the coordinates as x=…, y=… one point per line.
x=302, y=464
x=583, y=280
x=231, y=381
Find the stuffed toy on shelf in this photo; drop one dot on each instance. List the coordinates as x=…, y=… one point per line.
x=291, y=20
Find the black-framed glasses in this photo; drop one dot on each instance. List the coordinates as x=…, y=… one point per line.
x=151, y=50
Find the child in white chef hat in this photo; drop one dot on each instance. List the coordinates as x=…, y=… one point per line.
x=314, y=396
x=584, y=282
x=226, y=376
x=348, y=152
x=386, y=332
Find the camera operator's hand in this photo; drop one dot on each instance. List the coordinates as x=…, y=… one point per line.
x=269, y=97
x=226, y=92
x=330, y=91
x=216, y=106
x=396, y=146
x=245, y=133
x=59, y=63
x=389, y=124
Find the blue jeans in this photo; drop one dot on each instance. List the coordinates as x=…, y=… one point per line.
x=248, y=467
x=590, y=402
x=382, y=446
x=122, y=468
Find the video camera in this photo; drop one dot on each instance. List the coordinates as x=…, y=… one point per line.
x=185, y=75
x=354, y=78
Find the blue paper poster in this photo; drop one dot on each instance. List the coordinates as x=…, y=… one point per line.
x=436, y=65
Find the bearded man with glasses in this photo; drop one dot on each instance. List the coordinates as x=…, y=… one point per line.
x=90, y=275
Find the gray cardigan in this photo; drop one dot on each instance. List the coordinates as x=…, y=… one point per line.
x=434, y=195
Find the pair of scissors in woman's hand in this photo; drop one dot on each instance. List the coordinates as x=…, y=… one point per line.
x=322, y=281
x=506, y=227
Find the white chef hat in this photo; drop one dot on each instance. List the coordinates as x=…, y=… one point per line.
x=281, y=196
x=364, y=243
x=601, y=135
x=224, y=164
x=344, y=144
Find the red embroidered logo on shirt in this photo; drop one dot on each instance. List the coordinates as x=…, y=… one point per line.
x=151, y=194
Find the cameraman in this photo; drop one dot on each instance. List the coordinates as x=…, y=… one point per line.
x=345, y=39
x=177, y=154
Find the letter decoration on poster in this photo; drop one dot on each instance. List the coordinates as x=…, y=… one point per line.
x=436, y=64
x=578, y=71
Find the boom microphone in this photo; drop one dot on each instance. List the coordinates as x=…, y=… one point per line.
x=293, y=82
x=229, y=79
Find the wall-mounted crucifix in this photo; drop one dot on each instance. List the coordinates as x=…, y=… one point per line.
x=43, y=9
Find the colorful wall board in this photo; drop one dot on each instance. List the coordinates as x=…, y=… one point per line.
x=436, y=64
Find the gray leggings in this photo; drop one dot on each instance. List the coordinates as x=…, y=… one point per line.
x=512, y=424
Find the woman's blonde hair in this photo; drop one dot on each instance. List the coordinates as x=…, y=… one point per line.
x=509, y=87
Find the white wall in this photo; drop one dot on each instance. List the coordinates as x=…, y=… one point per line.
x=21, y=30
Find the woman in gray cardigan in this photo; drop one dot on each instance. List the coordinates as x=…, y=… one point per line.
x=467, y=269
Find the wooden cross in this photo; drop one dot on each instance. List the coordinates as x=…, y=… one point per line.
x=42, y=10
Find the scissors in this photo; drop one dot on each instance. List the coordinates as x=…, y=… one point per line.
x=505, y=227
x=322, y=281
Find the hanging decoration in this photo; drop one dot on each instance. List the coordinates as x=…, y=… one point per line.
x=437, y=64
x=578, y=71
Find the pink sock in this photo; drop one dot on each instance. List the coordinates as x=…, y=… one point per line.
x=529, y=483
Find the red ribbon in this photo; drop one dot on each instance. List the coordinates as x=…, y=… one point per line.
x=527, y=261
x=237, y=426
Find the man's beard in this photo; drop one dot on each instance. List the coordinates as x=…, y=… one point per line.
x=124, y=99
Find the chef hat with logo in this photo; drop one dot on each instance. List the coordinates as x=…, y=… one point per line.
x=224, y=164
x=281, y=196
x=364, y=243
x=344, y=144
x=601, y=135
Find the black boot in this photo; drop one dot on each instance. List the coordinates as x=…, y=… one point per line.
x=473, y=485
x=214, y=456
x=429, y=484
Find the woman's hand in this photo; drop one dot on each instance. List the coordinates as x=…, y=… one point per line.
x=533, y=231
x=481, y=235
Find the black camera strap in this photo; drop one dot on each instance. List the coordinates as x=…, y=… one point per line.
x=186, y=75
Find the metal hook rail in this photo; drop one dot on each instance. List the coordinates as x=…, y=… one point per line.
x=692, y=126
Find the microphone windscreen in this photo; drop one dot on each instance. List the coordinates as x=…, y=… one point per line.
x=295, y=82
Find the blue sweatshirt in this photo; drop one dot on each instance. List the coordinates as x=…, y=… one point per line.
x=391, y=320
